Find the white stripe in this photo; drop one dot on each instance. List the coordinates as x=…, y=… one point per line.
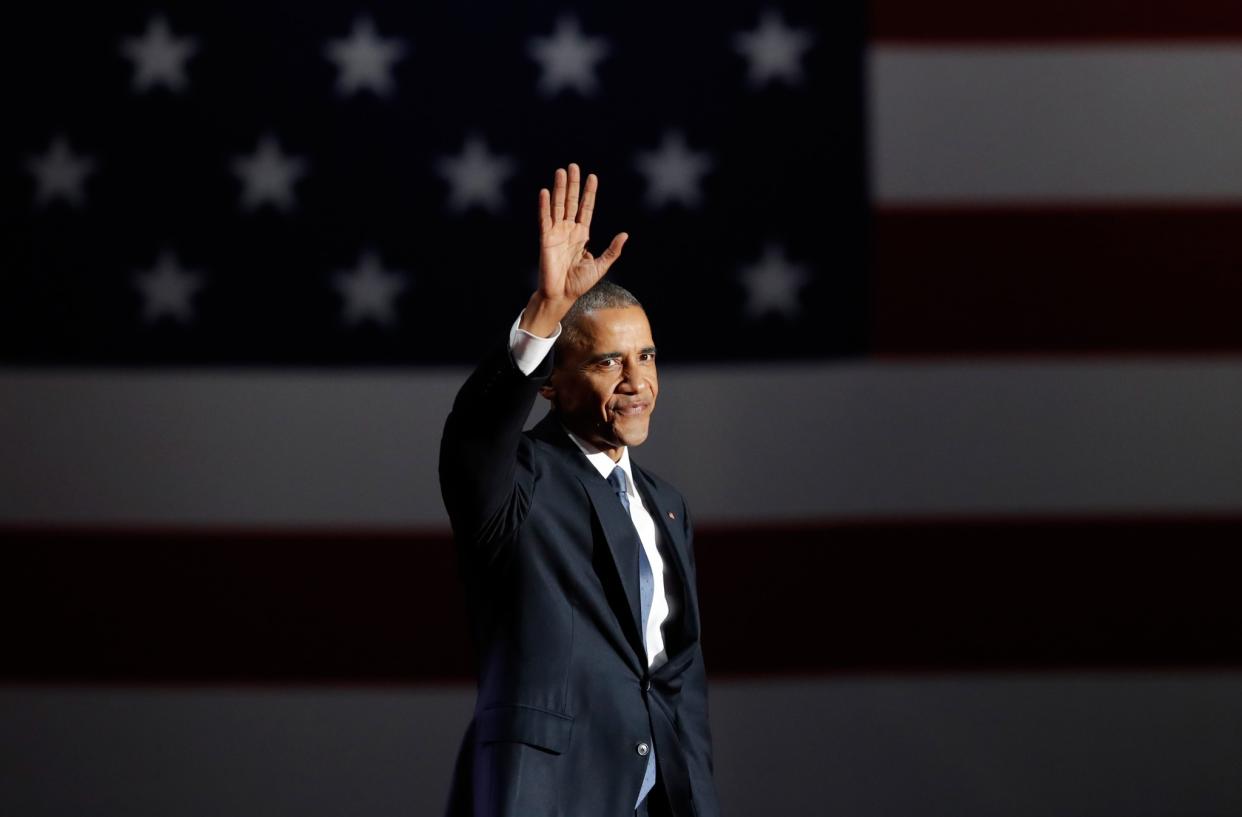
x=1045, y=123
x=743, y=443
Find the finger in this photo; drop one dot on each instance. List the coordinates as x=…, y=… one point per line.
x=545, y=211
x=613, y=252
x=571, y=195
x=558, y=196
x=588, y=201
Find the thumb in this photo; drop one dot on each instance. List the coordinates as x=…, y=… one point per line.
x=614, y=250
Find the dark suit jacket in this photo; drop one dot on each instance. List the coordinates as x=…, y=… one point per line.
x=550, y=565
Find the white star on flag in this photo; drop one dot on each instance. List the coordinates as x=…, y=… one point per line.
x=674, y=172
x=475, y=176
x=364, y=60
x=268, y=175
x=567, y=58
x=369, y=290
x=772, y=284
x=60, y=174
x=167, y=289
x=159, y=57
x=774, y=50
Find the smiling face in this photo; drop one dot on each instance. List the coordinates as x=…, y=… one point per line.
x=604, y=384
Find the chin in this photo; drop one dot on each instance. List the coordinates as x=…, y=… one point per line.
x=632, y=436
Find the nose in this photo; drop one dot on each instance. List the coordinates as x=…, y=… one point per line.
x=631, y=378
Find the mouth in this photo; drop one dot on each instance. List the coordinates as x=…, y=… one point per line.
x=631, y=409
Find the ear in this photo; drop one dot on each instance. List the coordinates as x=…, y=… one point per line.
x=548, y=390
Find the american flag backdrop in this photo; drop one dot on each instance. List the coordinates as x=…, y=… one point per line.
x=946, y=302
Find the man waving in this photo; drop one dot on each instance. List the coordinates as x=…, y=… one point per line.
x=578, y=564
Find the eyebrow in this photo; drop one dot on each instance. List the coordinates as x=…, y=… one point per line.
x=646, y=350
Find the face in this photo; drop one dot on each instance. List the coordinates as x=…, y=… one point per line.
x=605, y=387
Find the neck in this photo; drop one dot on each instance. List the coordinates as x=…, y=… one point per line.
x=614, y=453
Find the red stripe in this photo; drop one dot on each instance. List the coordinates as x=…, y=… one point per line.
x=915, y=596
x=980, y=20
x=982, y=281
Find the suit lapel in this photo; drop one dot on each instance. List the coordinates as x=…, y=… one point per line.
x=618, y=529
x=624, y=543
x=660, y=506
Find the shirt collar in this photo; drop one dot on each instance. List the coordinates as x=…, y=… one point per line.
x=603, y=463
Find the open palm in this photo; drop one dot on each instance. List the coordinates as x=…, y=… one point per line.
x=566, y=268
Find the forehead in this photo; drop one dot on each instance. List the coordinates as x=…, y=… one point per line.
x=616, y=329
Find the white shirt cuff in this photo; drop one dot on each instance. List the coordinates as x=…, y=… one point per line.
x=528, y=349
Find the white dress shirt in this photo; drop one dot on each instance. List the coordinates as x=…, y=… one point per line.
x=529, y=350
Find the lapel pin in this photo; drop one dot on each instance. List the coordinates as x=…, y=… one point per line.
x=672, y=515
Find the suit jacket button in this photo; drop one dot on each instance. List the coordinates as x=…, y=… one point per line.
x=646, y=685
x=642, y=749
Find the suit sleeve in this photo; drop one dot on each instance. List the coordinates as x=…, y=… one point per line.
x=694, y=711
x=486, y=468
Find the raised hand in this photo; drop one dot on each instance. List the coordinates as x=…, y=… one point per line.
x=566, y=268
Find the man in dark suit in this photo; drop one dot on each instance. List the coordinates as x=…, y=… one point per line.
x=578, y=564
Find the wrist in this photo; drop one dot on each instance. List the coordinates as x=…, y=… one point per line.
x=543, y=314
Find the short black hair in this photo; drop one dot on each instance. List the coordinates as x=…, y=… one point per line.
x=604, y=295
